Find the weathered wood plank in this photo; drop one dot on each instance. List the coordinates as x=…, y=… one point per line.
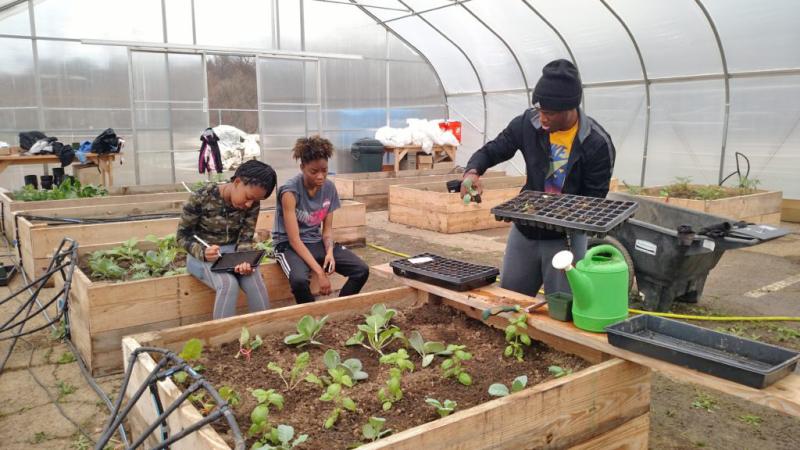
x=632, y=435
x=790, y=210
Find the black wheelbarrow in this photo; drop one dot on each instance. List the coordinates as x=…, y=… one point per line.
x=673, y=249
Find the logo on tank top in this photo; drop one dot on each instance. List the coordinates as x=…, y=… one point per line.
x=314, y=218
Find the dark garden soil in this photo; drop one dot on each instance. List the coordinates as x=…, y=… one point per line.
x=306, y=413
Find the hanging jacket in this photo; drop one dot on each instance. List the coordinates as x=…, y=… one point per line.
x=210, y=158
x=588, y=168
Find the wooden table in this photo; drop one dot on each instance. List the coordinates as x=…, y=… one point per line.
x=783, y=396
x=104, y=163
x=439, y=152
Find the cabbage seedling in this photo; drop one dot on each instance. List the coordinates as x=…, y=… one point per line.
x=377, y=331
x=259, y=416
x=501, y=390
x=280, y=438
x=335, y=395
x=452, y=368
x=192, y=351
x=442, y=408
x=229, y=395
x=398, y=359
x=516, y=337
x=427, y=350
x=297, y=373
x=559, y=371
x=247, y=345
x=373, y=429
x=307, y=330
x=393, y=391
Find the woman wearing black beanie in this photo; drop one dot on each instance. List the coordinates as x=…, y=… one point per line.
x=565, y=151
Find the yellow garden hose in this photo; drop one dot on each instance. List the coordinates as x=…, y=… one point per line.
x=668, y=315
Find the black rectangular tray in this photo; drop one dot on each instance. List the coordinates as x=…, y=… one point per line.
x=9, y=272
x=744, y=361
x=564, y=212
x=229, y=261
x=450, y=273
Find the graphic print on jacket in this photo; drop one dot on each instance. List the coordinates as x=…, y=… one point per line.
x=310, y=211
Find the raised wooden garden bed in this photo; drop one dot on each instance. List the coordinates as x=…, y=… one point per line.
x=117, y=196
x=102, y=312
x=38, y=239
x=762, y=207
x=429, y=206
x=372, y=188
x=606, y=403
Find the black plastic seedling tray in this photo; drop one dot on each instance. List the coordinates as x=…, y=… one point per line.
x=564, y=212
x=229, y=261
x=450, y=273
x=744, y=361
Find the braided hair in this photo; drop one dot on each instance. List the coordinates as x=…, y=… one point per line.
x=257, y=173
x=311, y=149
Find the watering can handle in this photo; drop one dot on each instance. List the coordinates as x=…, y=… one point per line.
x=603, y=248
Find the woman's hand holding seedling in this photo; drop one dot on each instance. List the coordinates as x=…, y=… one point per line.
x=471, y=188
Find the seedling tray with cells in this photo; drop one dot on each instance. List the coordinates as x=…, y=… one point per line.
x=564, y=212
x=450, y=273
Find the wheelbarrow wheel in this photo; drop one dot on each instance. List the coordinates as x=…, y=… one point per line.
x=594, y=242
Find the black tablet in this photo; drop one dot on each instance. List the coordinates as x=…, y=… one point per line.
x=229, y=261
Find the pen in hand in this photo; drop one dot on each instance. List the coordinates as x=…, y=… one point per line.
x=206, y=245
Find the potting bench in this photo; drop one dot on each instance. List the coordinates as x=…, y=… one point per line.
x=783, y=396
x=104, y=163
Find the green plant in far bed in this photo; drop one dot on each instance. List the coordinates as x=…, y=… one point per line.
x=501, y=390
x=452, y=367
x=68, y=189
x=307, y=330
x=376, y=330
x=442, y=408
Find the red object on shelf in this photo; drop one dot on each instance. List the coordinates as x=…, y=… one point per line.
x=454, y=126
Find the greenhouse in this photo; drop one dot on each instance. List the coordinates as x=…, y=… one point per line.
x=558, y=224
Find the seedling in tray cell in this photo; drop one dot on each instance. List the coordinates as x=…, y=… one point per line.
x=452, y=367
x=247, y=345
x=376, y=330
x=444, y=408
x=427, y=350
x=516, y=337
x=296, y=375
x=307, y=330
x=501, y=390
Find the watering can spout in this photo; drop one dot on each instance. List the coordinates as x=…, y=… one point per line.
x=578, y=281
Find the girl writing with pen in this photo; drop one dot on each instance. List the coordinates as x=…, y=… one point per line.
x=222, y=218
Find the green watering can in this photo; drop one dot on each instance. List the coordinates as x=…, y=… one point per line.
x=599, y=285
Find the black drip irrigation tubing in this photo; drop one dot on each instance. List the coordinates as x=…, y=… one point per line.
x=91, y=220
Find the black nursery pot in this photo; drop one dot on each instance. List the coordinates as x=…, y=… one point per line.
x=58, y=175
x=454, y=186
x=32, y=180
x=46, y=181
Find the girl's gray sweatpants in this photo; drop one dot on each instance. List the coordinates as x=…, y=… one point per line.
x=527, y=263
x=227, y=286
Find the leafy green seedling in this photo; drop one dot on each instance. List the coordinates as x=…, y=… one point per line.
x=66, y=358
x=259, y=416
x=373, y=429
x=127, y=251
x=452, y=366
x=501, y=390
x=105, y=268
x=65, y=389
x=247, y=345
x=206, y=403
x=471, y=194
x=427, y=350
x=558, y=371
x=377, y=331
x=393, y=391
x=192, y=351
x=341, y=402
x=307, y=330
x=230, y=395
x=442, y=408
x=298, y=372
x=751, y=419
x=516, y=337
x=705, y=401
x=280, y=438
x=398, y=359
x=345, y=373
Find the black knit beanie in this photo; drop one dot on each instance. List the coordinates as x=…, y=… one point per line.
x=559, y=88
